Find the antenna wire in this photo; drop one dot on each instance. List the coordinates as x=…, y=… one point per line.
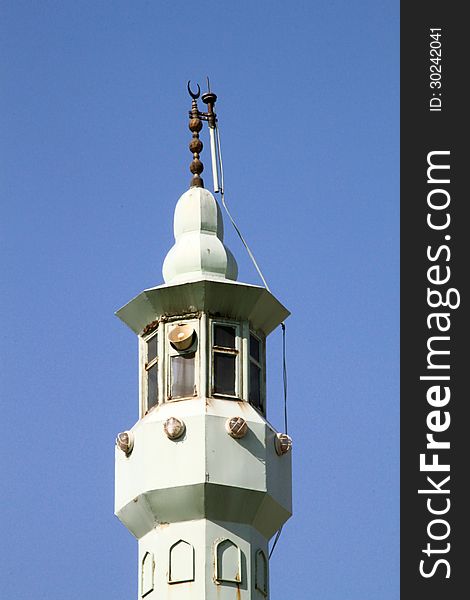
x=222, y=195
x=253, y=259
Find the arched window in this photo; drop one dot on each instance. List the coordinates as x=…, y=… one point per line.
x=227, y=562
x=147, y=574
x=181, y=562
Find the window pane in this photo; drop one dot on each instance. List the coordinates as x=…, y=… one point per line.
x=152, y=348
x=182, y=376
x=224, y=373
x=224, y=335
x=254, y=348
x=152, y=387
x=255, y=385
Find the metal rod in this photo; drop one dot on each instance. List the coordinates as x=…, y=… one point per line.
x=210, y=99
x=215, y=169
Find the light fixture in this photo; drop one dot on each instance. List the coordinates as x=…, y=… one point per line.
x=181, y=336
x=125, y=442
x=282, y=443
x=236, y=427
x=174, y=428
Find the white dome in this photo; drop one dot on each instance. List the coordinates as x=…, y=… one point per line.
x=199, y=250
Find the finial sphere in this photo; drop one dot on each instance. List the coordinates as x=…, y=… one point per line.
x=196, y=166
x=195, y=145
x=195, y=125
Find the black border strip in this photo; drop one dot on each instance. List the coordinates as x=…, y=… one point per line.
x=434, y=260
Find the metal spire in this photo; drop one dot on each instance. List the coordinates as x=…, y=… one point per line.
x=195, y=145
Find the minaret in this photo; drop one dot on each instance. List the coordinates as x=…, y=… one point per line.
x=203, y=481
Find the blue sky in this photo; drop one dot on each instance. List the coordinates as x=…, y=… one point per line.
x=94, y=156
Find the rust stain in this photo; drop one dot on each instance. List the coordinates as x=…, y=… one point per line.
x=150, y=327
x=190, y=314
x=238, y=594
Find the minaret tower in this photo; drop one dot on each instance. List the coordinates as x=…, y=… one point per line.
x=203, y=481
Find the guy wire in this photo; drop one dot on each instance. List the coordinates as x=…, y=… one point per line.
x=251, y=255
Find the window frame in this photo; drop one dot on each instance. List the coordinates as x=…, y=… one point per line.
x=170, y=351
x=260, y=364
x=237, y=352
x=146, y=366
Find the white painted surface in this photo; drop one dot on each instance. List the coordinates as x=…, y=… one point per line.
x=199, y=233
